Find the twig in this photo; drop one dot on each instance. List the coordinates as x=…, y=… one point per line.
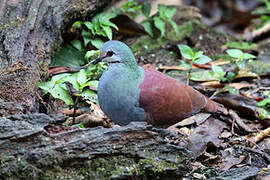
x=262, y=135
x=239, y=121
x=42, y=101
x=233, y=124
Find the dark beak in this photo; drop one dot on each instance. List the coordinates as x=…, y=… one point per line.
x=97, y=60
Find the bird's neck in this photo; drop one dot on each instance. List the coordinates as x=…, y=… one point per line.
x=130, y=65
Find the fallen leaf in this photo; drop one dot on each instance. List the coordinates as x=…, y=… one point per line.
x=204, y=135
x=214, y=84
x=239, y=103
x=231, y=160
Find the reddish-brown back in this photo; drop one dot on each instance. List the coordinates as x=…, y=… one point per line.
x=167, y=100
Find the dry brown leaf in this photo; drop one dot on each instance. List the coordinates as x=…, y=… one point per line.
x=214, y=84
x=205, y=135
x=241, y=85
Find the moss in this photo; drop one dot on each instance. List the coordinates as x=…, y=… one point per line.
x=43, y=69
x=154, y=166
x=13, y=23
x=115, y=167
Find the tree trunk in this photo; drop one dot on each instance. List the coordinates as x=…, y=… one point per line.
x=29, y=33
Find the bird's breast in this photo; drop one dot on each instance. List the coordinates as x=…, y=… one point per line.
x=118, y=95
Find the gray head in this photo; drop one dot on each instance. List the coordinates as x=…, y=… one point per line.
x=116, y=52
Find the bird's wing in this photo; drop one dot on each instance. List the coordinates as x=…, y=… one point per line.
x=168, y=100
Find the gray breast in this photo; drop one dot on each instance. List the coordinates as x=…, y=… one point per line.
x=118, y=95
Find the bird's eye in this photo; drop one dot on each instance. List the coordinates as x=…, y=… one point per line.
x=110, y=54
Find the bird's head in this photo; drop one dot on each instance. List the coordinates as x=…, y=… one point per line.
x=115, y=52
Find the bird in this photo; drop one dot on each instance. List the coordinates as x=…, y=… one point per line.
x=128, y=92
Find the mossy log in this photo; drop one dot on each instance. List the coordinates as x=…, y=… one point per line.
x=138, y=150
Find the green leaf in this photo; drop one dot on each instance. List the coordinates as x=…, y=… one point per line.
x=77, y=44
x=97, y=43
x=266, y=93
x=218, y=72
x=86, y=40
x=67, y=56
x=86, y=33
x=148, y=28
x=185, y=64
x=82, y=77
x=81, y=126
x=86, y=37
x=230, y=76
x=101, y=32
x=58, y=91
x=203, y=60
x=198, y=54
x=186, y=51
x=146, y=9
x=88, y=24
x=248, y=56
x=104, y=19
x=202, y=76
x=235, y=53
x=108, y=31
x=232, y=90
x=241, y=45
x=166, y=12
x=77, y=24
x=92, y=54
x=160, y=24
x=93, y=84
x=263, y=113
x=58, y=77
x=174, y=25
x=128, y=5
x=241, y=64
x=72, y=79
x=264, y=102
x=108, y=23
x=89, y=95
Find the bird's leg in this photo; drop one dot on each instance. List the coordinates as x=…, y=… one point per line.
x=188, y=76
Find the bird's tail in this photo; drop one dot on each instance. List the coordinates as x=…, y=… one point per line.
x=213, y=107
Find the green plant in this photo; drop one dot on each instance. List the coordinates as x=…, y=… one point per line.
x=165, y=14
x=58, y=87
x=239, y=57
x=231, y=90
x=218, y=73
x=264, y=13
x=264, y=106
x=91, y=31
x=131, y=7
x=265, y=102
x=146, y=9
x=195, y=57
x=241, y=45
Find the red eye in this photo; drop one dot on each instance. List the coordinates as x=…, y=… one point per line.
x=110, y=53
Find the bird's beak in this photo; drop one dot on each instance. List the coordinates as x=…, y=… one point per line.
x=99, y=59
